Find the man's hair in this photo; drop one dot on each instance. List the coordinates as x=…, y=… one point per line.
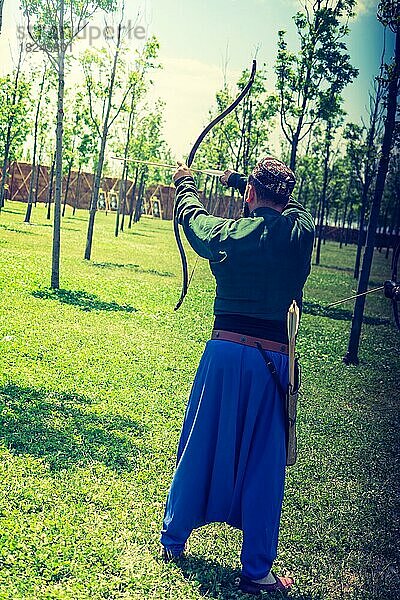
x=266, y=195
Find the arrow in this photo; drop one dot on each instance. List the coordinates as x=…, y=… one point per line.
x=293, y=319
x=354, y=297
x=211, y=172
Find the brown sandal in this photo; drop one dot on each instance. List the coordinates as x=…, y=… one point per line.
x=281, y=584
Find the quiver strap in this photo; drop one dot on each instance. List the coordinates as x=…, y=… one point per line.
x=289, y=400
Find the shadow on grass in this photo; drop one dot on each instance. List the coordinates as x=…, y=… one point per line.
x=339, y=314
x=336, y=268
x=82, y=300
x=25, y=231
x=136, y=268
x=378, y=468
x=62, y=429
x=131, y=232
x=219, y=582
x=9, y=211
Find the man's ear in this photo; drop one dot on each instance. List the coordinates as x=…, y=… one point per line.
x=250, y=193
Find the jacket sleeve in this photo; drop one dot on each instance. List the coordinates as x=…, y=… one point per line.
x=302, y=224
x=209, y=236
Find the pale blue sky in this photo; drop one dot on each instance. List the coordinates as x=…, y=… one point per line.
x=204, y=30
x=196, y=37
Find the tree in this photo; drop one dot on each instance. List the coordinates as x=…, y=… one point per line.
x=340, y=188
x=101, y=92
x=103, y=124
x=144, y=62
x=14, y=107
x=152, y=147
x=303, y=77
x=146, y=143
x=35, y=145
x=83, y=151
x=362, y=149
x=333, y=116
x=53, y=27
x=74, y=124
x=388, y=14
x=391, y=199
x=309, y=172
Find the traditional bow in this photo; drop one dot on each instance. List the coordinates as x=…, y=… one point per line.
x=229, y=109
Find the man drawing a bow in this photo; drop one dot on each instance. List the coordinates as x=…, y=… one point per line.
x=232, y=451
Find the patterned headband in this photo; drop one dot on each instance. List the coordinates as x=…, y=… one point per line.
x=275, y=176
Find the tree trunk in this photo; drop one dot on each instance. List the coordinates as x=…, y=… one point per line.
x=55, y=265
x=50, y=192
x=38, y=174
x=120, y=196
x=67, y=185
x=31, y=191
x=390, y=120
x=133, y=194
x=95, y=197
x=361, y=235
x=324, y=188
x=11, y=192
x=384, y=234
x=326, y=226
x=126, y=164
x=346, y=204
x=297, y=133
x=37, y=182
x=388, y=235
x=318, y=215
x=336, y=215
x=349, y=225
x=77, y=191
x=138, y=208
x=124, y=188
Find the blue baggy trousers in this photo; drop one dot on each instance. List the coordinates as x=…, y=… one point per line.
x=232, y=454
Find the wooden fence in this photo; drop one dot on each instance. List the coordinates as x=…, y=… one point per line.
x=158, y=200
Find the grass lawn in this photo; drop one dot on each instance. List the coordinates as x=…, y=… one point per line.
x=93, y=385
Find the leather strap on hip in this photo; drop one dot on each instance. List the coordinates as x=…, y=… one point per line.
x=247, y=340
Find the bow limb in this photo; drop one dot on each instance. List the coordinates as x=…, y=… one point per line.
x=225, y=113
x=185, y=274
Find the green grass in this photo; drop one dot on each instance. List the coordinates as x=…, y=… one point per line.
x=93, y=383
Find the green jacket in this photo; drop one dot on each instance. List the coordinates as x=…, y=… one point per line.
x=260, y=263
